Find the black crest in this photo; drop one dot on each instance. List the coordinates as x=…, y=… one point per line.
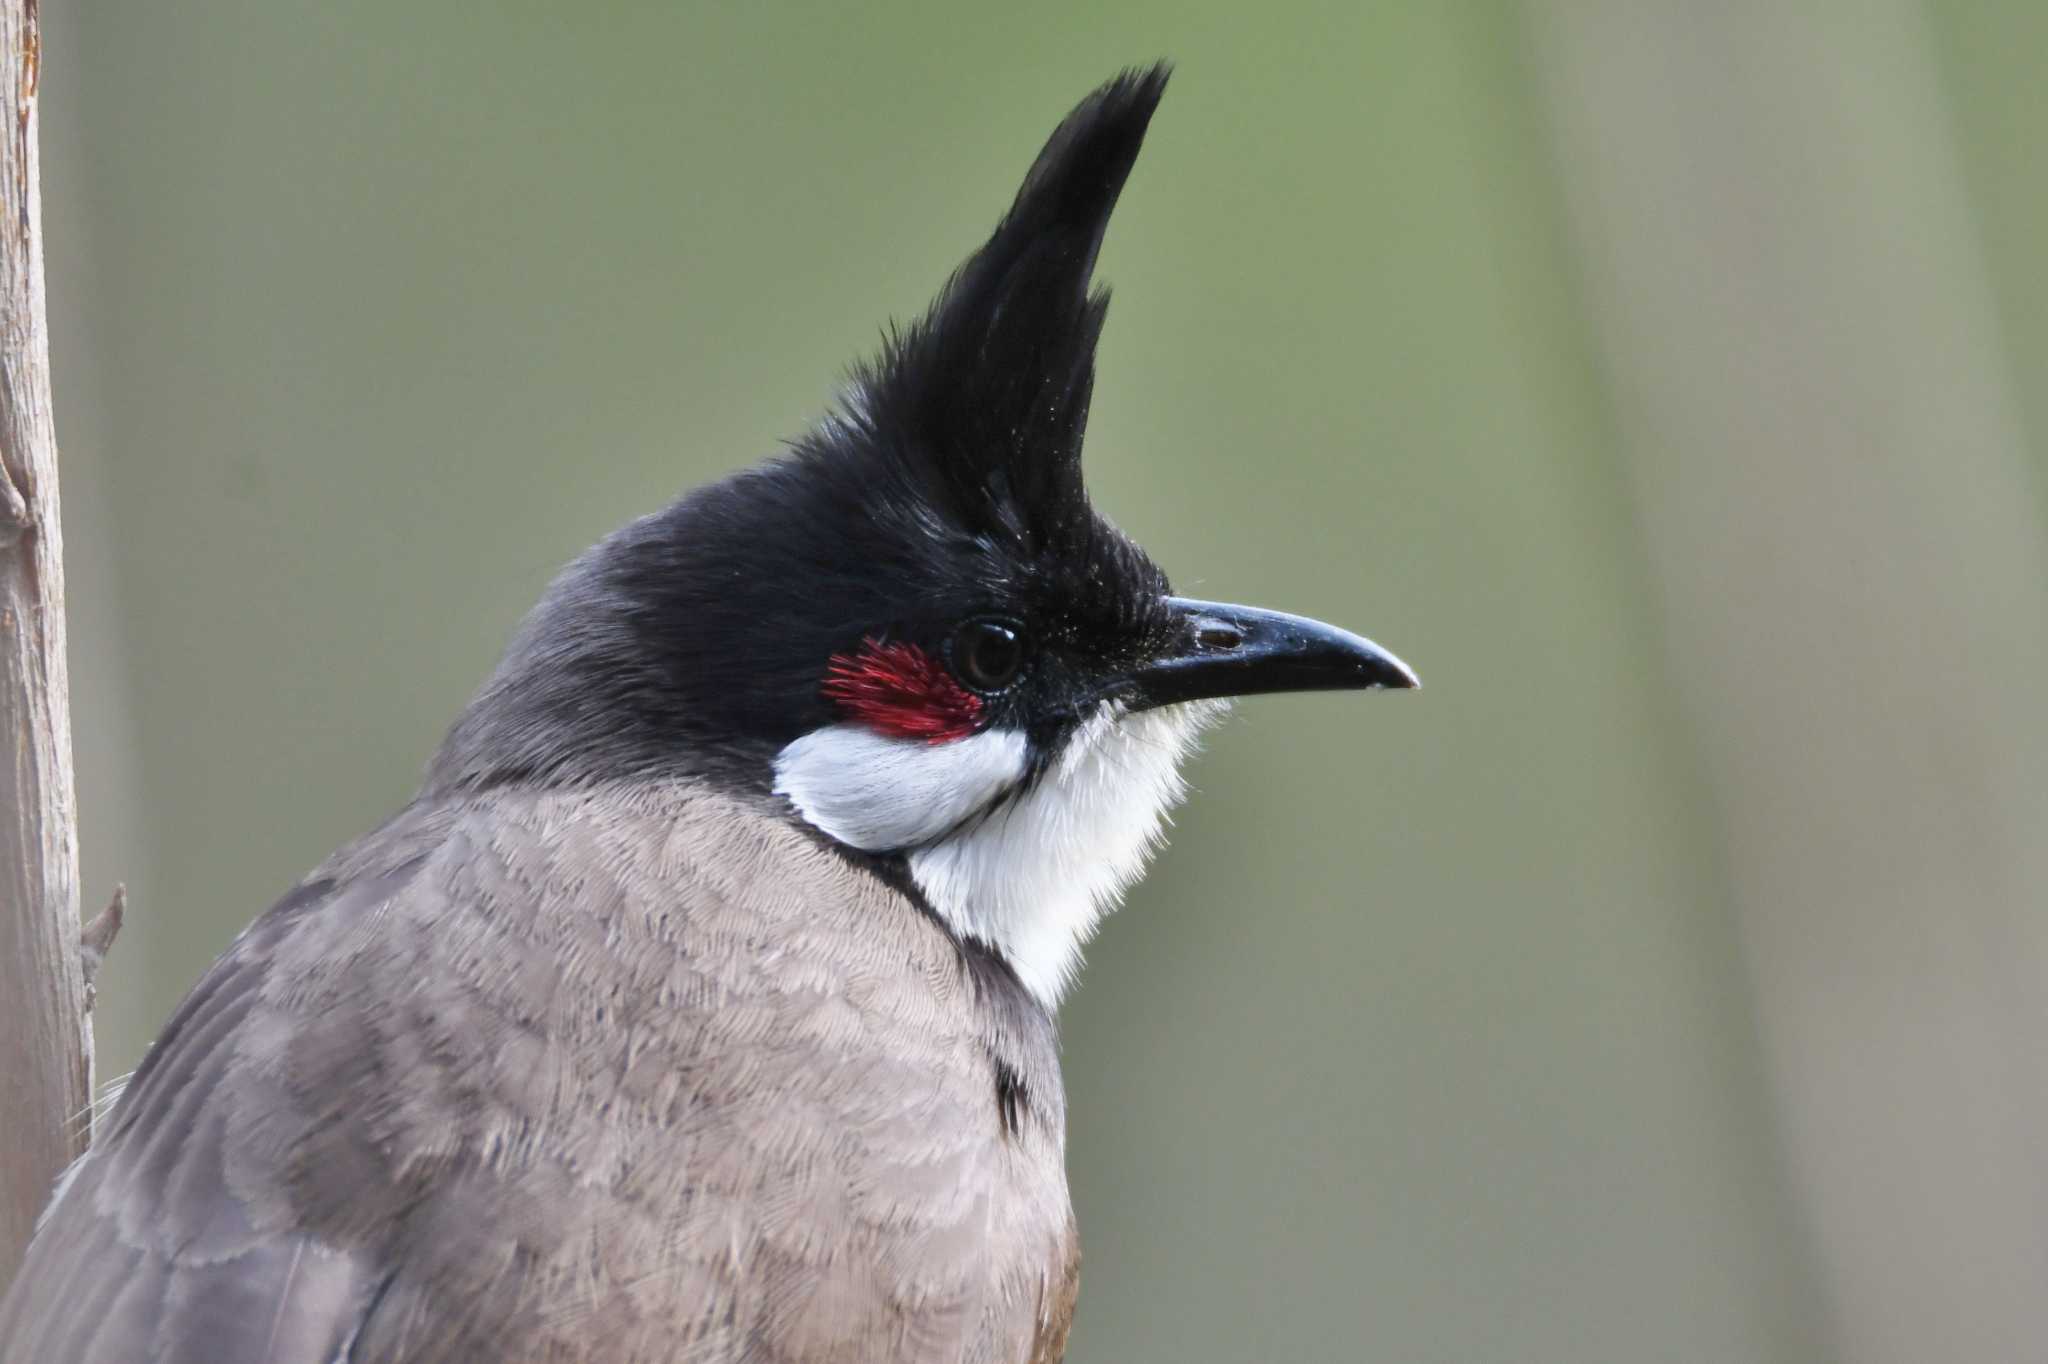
x=950, y=486
x=987, y=394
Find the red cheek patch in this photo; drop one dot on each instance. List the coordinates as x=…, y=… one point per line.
x=902, y=691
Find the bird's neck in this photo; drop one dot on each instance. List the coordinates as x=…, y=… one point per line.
x=1024, y=861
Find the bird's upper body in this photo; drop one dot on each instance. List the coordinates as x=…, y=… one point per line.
x=701, y=1006
x=746, y=1102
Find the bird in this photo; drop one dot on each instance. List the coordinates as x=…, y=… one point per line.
x=701, y=1006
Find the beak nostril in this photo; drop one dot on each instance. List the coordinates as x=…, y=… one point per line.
x=1223, y=650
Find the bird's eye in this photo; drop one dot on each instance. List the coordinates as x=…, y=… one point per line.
x=988, y=654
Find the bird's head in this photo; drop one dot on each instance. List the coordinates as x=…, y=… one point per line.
x=914, y=630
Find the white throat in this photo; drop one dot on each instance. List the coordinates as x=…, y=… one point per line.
x=1027, y=871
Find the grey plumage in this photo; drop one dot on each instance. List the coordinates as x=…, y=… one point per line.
x=728, y=1098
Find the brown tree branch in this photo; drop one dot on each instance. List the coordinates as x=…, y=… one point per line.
x=46, y=1041
x=97, y=938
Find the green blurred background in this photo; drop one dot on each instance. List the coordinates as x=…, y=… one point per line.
x=1665, y=982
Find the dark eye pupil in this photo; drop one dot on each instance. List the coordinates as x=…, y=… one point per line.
x=988, y=654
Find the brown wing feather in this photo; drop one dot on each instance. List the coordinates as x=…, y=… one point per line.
x=152, y=1252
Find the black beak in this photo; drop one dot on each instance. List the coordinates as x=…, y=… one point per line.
x=1243, y=651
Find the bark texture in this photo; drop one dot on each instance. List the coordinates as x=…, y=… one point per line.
x=46, y=1042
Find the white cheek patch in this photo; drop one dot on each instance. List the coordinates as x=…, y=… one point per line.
x=1035, y=877
x=1029, y=874
x=878, y=793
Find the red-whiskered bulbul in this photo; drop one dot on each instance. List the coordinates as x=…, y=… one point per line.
x=700, y=1007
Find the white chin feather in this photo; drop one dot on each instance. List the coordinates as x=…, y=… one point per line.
x=1034, y=874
